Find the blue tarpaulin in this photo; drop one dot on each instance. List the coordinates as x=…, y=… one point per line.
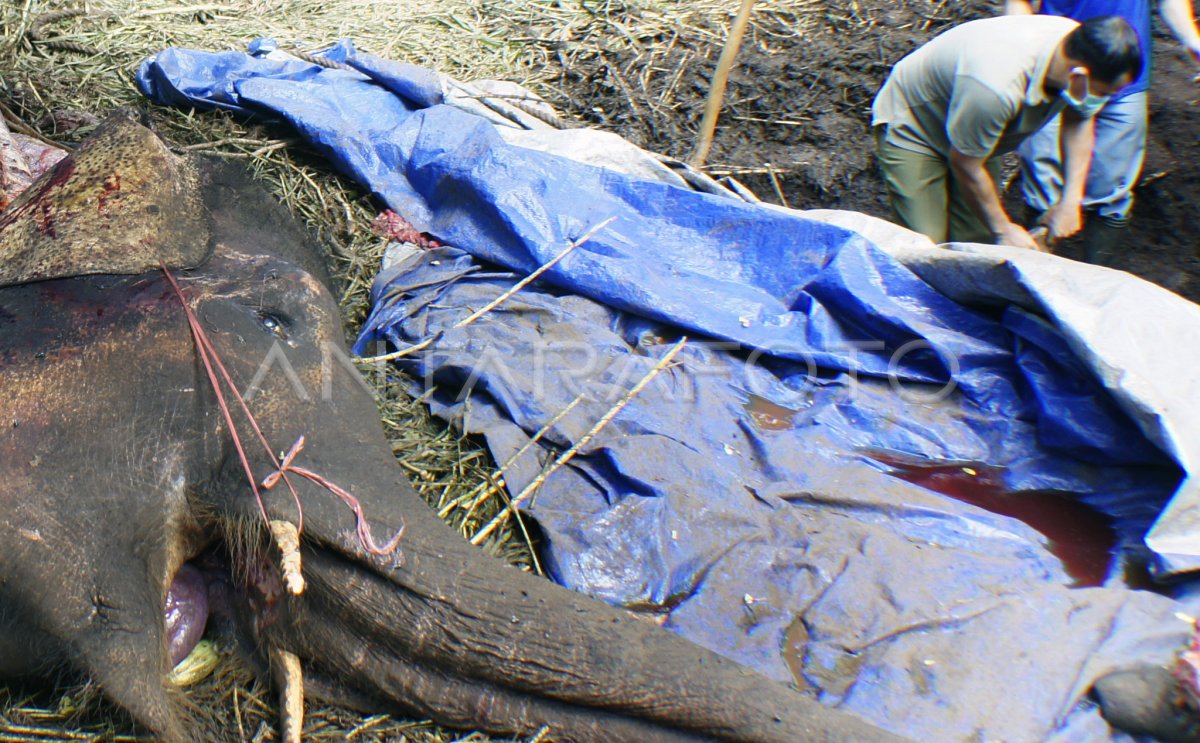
x=777, y=492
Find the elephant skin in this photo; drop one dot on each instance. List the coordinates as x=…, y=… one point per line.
x=118, y=474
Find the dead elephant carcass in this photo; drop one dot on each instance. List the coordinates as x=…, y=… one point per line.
x=117, y=468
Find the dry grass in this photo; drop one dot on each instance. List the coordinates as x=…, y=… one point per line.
x=642, y=68
x=55, y=63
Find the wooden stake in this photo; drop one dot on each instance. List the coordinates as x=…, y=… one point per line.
x=566, y=456
x=287, y=539
x=716, y=94
x=285, y=667
x=494, y=303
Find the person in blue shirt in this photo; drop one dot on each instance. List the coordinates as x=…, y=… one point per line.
x=1120, y=126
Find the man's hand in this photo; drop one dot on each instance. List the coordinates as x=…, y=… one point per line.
x=1062, y=220
x=979, y=191
x=1015, y=235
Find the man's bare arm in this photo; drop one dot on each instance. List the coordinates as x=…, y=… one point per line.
x=1077, y=138
x=1018, y=7
x=982, y=196
x=1181, y=19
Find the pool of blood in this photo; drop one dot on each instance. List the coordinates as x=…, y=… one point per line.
x=1078, y=535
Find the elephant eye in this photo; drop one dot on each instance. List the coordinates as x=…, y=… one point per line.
x=273, y=323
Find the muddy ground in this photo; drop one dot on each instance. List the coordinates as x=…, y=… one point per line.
x=796, y=127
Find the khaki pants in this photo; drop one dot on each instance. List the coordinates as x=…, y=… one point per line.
x=925, y=195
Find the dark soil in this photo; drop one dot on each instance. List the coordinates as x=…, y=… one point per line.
x=796, y=122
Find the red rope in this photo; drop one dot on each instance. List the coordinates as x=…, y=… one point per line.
x=363, y=530
x=210, y=358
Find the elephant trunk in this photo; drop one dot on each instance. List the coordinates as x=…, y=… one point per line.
x=442, y=630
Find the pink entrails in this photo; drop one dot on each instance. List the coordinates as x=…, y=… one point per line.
x=392, y=226
x=1187, y=671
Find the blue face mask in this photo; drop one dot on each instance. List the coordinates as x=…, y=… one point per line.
x=1090, y=105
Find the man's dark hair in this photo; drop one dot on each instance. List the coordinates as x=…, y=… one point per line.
x=1109, y=47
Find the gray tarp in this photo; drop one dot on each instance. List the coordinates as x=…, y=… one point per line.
x=1141, y=341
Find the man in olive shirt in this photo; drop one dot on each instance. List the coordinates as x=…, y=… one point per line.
x=949, y=109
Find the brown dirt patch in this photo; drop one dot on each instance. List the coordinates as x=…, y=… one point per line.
x=796, y=124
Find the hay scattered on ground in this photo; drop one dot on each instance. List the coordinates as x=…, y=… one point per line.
x=643, y=69
x=795, y=122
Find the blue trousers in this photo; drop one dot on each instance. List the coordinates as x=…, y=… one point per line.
x=1116, y=161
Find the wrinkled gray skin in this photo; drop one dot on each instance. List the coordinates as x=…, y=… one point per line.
x=116, y=467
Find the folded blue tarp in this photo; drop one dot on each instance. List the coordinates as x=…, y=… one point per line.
x=775, y=495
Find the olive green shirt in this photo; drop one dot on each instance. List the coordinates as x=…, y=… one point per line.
x=978, y=88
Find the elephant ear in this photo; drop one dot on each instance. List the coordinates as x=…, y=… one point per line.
x=119, y=204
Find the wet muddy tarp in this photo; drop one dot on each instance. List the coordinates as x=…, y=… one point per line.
x=862, y=472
